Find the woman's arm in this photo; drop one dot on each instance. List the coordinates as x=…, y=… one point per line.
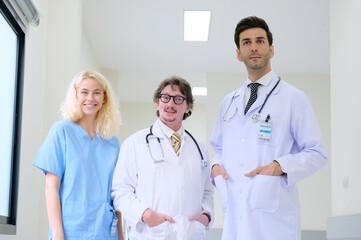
x=53, y=205
x=120, y=225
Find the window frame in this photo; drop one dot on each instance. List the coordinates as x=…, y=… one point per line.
x=8, y=223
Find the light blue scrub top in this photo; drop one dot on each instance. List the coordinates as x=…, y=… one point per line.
x=85, y=168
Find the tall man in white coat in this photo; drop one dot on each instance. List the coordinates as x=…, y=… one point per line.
x=266, y=139
x=161, y=182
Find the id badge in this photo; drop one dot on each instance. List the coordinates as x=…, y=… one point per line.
x=113, y=229
x=265, y=131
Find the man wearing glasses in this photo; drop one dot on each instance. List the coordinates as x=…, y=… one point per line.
x=161, y=182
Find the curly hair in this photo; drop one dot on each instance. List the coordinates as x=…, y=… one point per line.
x=108, y=117
x=184, y=88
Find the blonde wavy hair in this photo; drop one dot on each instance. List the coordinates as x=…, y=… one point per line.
x=108, y=117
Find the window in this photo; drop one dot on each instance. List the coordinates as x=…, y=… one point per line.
x=11, y=79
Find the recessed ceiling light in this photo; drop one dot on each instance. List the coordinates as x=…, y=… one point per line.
x=199, y=91
x=196, y=25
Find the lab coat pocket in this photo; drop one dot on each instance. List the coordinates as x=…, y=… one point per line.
x=196, y=231
x=265, y=193
x=160, y=231
x=221, y=186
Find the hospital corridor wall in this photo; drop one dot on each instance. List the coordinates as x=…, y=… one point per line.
x=345, y=97
x=51, y=61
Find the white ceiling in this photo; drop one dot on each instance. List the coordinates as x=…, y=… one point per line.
x=143, y=39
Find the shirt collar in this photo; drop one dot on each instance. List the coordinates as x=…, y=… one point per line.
x=168, y=131
x=265, y=79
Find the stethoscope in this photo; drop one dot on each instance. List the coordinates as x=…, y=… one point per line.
x=255, y=117
x=161, y=159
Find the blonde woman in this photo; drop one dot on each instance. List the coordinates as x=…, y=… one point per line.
x=78, y=158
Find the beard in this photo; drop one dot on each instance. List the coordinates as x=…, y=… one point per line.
x=264, y=60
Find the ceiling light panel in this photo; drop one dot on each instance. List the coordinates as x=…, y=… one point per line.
x=196, y=25
x=199, y=91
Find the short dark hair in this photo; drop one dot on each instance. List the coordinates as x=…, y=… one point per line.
x=184, y=88
x=252, y=22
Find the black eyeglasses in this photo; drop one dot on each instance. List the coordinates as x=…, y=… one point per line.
x=176, y=99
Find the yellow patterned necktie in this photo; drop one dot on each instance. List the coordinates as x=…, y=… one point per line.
x=176, y=142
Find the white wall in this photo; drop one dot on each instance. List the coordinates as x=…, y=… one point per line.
x=88, y=60
x=64, y=36
x=55, y=51
x=59, y=48
x=315, y=192
x=345, y=106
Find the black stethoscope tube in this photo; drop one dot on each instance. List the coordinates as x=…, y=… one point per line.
x=199, y=150
x=279, y=79
x=150, y=134
x=194, y=140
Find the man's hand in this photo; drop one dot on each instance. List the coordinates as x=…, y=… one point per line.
x=272, y=169
x=218, y=170
x=200, y=218
x=153, y=219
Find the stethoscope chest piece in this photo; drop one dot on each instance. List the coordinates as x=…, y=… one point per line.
x=204, y=163
x=255, y=118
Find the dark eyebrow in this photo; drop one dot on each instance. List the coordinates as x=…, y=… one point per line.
x=248, y=39
x=172, y=95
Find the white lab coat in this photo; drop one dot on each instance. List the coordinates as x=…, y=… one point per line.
x=179, y=186
x=265, y=207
